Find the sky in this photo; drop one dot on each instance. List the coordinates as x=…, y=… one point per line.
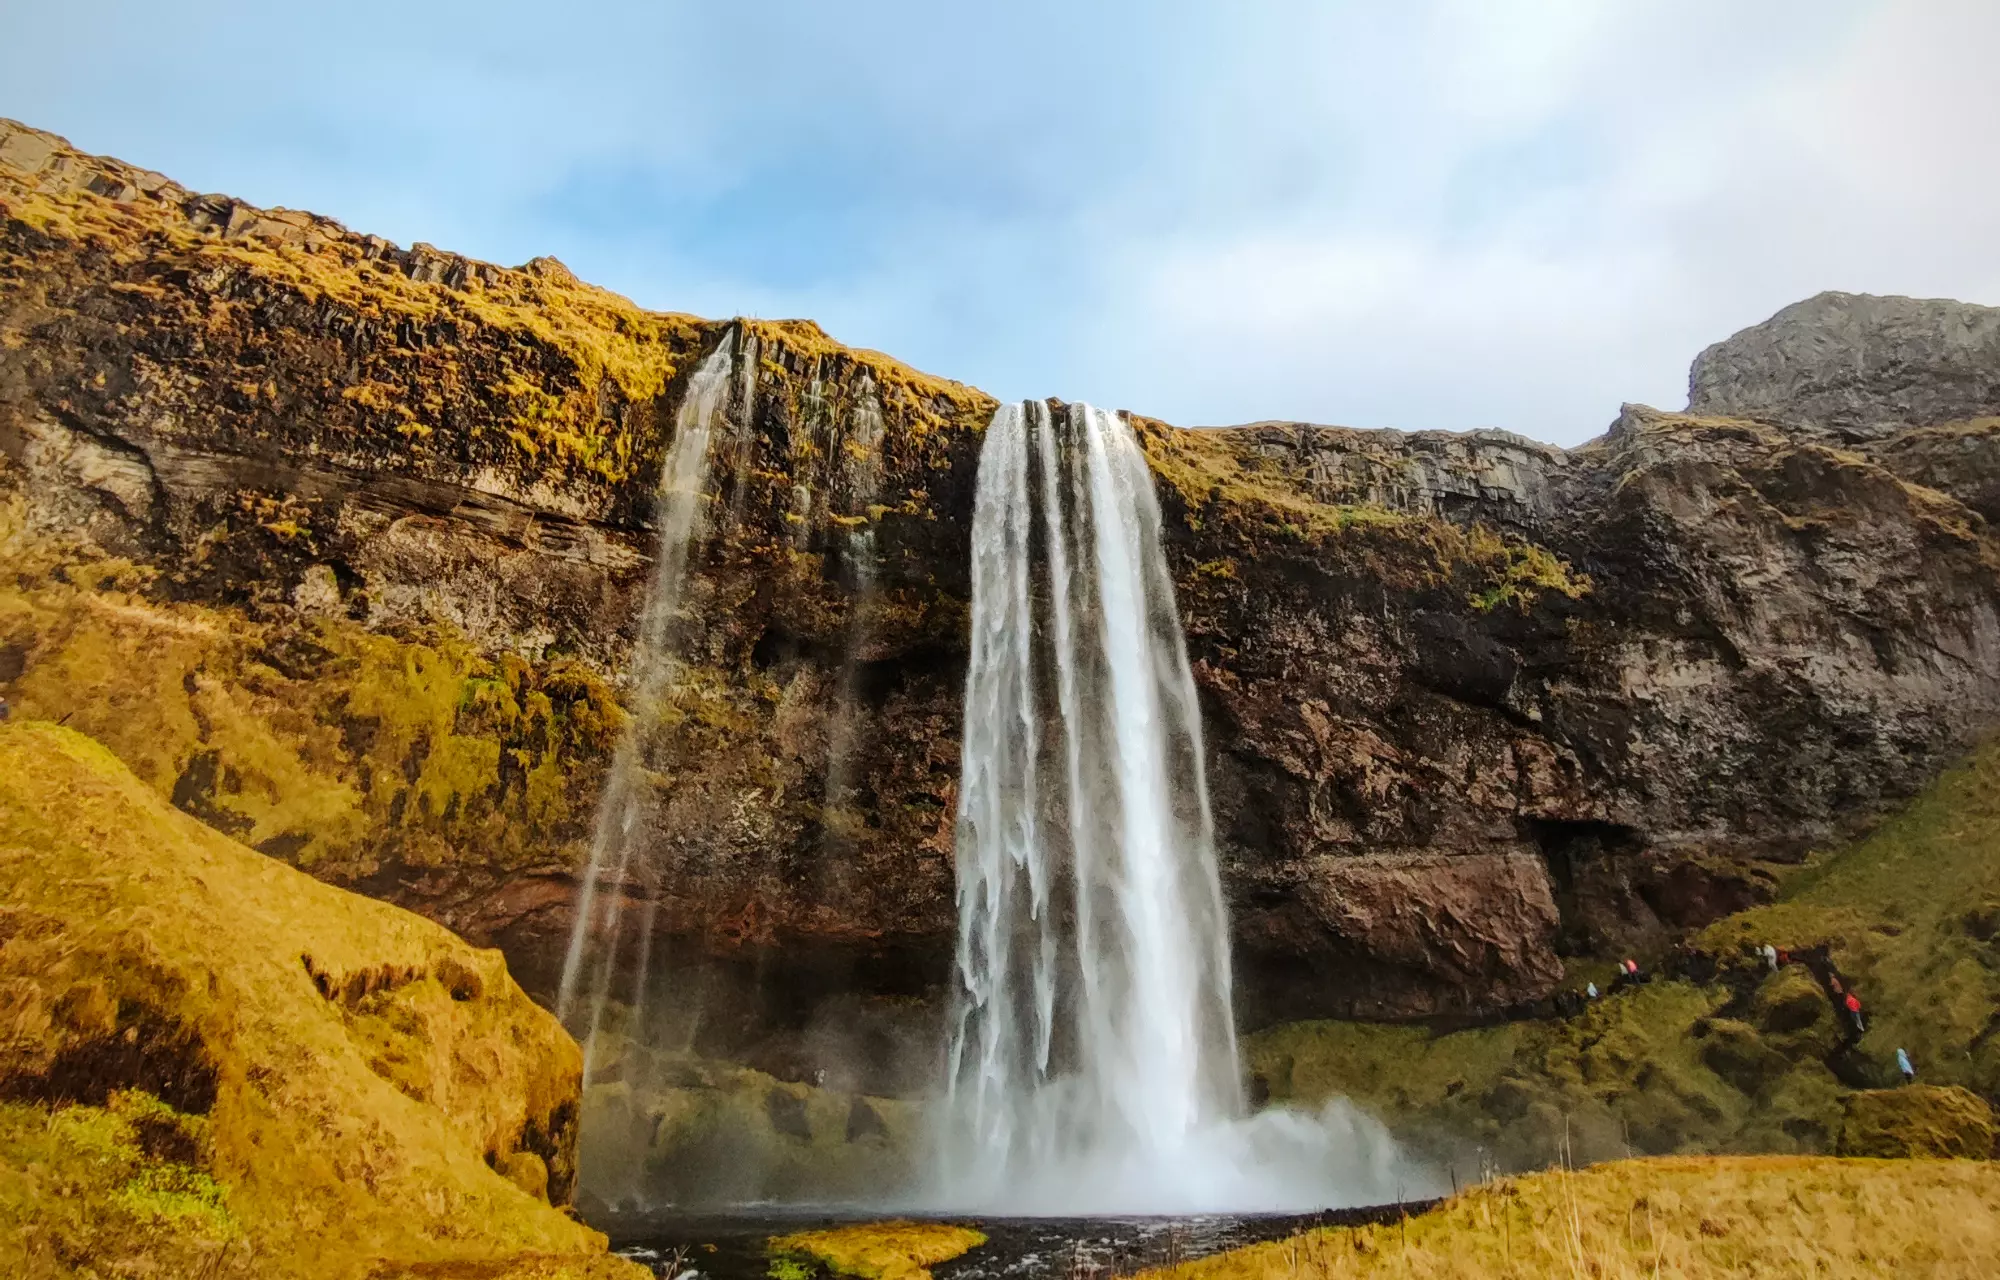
x=1402, y=213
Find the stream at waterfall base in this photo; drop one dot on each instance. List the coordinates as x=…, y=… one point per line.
x=733, y=1245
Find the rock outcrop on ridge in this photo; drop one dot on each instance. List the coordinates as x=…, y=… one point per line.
x=1856, y=366
x=1473, y=704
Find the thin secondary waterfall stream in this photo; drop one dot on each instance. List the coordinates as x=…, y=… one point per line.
x=1093, y=1062
x=587, y=980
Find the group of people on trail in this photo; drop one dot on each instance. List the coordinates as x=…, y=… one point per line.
x=1846, y=1002
x=1571, y=1003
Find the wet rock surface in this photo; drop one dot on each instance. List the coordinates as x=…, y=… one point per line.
x=1473, y=704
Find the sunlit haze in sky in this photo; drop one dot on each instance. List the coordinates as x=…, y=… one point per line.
x=1457, y=215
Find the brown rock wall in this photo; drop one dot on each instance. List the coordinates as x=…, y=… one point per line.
x=1472, y=702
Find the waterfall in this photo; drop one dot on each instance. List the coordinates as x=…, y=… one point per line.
x=1092, y=1065
x=587, y=981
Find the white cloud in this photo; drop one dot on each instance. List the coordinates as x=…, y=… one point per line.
x=1448, y=213
x=1722, y=183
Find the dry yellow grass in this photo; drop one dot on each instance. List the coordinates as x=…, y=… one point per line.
x=1678, y=1217
x=898, y=1250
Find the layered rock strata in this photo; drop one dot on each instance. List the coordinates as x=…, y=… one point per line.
x=1473, y=703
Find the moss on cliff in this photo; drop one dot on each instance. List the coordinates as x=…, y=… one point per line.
x=571, y=344
x=312, y=738
x=218, y=1060
x=1215, y=468
x=528, y=367
x=1228, y=487
x=924, y=401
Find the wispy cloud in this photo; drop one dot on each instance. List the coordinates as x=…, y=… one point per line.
x=1447, y=214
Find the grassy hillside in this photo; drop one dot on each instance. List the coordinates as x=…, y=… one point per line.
x=1912, y=915
x=1686, y=1218
x=1749, y=1062
x=215, y=1065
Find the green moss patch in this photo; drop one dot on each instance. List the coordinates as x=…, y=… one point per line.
x=1755, y=1061
x=896, y=1250
x=317, y=740
x=1909, y=914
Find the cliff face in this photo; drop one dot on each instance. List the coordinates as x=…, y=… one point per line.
x=1472, y=702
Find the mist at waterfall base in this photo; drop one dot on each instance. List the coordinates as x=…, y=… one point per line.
x=1092, y=1066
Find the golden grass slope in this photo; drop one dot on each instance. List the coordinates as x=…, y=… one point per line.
x=215, y=1059
x=1674, y=1218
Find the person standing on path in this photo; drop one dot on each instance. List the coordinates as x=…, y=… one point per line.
x=1904, y=1065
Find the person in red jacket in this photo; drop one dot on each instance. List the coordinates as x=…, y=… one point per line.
x=1853, y=1003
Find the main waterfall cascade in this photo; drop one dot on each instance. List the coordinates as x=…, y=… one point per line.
x=1093, y=1063
x=587, y=985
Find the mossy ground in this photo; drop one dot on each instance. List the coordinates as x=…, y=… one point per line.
x=896, y=1250
x=1691, y=1219
x=1651, y=1071
x=1912, y=915
x=104, y=1182
x=221, y=1063
x=1749, y=1063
